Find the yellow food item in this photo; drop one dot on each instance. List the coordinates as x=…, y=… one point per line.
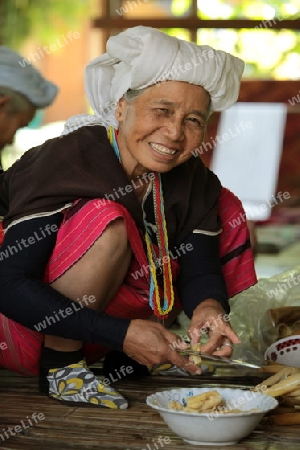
x=195, y=359
x=295, y=393
x=196, y=347
x=202, y=403
x=205, y=401
x=173, y=404
x=283, y=374
x=284, y=386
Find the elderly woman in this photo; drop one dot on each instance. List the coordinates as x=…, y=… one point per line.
x=119, y=226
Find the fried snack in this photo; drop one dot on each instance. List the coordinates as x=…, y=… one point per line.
x=195, y=359
x=284, y=386
x=208, y=402
x=295, y=393
x=205, y=401
x=282, y=383
x=202, y=403
x=279, y=376
x=173, y=404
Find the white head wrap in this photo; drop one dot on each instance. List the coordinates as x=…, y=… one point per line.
x=141, y=56
x=18, y=74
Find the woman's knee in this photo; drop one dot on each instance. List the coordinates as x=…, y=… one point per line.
x=101, y=270
x=115, y=239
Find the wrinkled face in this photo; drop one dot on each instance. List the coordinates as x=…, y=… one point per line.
x=161, y=127
x=11, y=122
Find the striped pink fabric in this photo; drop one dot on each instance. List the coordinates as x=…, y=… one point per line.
x=82, y=225
x=235, y=250
x=20, y=347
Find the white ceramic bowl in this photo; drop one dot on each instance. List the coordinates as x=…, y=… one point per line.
x=285, y=351
x=209, y=428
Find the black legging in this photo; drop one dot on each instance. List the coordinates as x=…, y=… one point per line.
x=26, y=299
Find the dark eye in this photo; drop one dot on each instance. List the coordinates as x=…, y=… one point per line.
x=197, y=122
x=162, y=110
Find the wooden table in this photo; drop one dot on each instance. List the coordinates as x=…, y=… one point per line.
x=46, y=424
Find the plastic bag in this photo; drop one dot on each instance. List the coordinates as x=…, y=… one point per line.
x=251, y=317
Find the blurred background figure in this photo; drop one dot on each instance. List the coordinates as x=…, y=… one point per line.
x=23, y=90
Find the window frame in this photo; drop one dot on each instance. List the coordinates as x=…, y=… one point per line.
x=191, y=23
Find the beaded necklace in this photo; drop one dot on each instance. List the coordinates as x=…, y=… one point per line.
x=164, y=261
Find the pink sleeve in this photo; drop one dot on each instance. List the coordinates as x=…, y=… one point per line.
x=234, y=241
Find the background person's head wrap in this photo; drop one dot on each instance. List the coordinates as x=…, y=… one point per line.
x=17, y=74
x=141, y=56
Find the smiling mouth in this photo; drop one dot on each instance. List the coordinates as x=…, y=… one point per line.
x=162, y=149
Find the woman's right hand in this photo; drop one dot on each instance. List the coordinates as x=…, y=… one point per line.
x=149, y=343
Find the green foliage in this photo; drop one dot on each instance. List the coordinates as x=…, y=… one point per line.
x=48, y=19
x=180, y=7
x=248, y=9
x=253, y=46
x=44, y=19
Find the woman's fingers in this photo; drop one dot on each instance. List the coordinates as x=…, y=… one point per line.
x=175, y=342
x=150, y=343
x=226, y=349
x=214, y=342
x=221, y=335
x=231, y=335
x=221, y=341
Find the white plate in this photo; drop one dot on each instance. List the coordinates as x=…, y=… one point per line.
x=285, y=351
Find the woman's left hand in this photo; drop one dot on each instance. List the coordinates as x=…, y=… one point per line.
x=210, y=318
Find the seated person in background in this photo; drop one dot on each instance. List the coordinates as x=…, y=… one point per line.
x=22, y=91
x=120, y=227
